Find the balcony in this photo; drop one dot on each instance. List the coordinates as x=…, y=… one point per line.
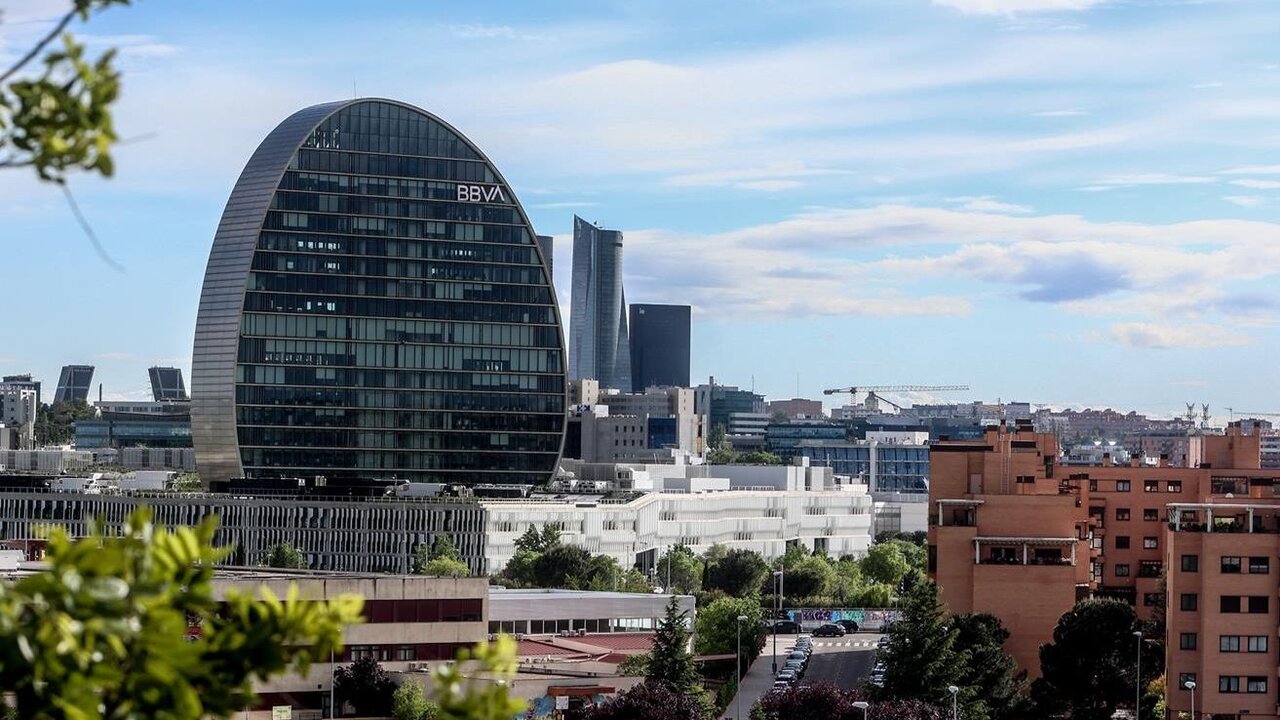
x=1024, y=551
x=957, y=513
x=1224, y=517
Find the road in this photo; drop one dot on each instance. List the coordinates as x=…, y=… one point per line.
x=843, y=662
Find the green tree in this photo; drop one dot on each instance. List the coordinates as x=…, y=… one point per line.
x=477, y=696
x=562, y=566
x=670, y=664
x=886, y=563
x=520, y=568
x=440, y=558
x=684, y=568
x=81, y=639
x=55, y=424
x=187, y=482
x=408, y=702
x=1087, y=671
x=284, y=555
x=365, y=686
x=988, y=669
x=444, y=567
x=442, y=547
x=633, y=665
x=58, y=118
x=921, y=659
x=738, y=573
x=715, y=438
x=539, y=542
x=648, y=702
x=717, y=628
x=808, y=577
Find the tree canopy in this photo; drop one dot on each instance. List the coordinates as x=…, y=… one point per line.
x=649, y=701
x=737, y=572
x=921, y=659
x=76, y=640
x=285, y=555
x=365, y=686
x=684, y=568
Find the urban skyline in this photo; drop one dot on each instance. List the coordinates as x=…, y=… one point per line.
x=1071, y=232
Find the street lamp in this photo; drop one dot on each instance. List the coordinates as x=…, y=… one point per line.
x=955, y=708
x=1191, y=685
x=1137, y=681
x=865, y=707
x=737, y=693
x=777, y=615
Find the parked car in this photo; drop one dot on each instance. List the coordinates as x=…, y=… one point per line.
x=786, y=676
x=800, y=655
x=848, y=625
x=829, y=630
x=786, y=627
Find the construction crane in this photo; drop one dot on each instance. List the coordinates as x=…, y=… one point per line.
x=1245, y=414
x=871, y=390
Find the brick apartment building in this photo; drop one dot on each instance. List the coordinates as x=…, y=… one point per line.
x=1015, y=535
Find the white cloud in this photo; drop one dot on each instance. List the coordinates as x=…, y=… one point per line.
x=502, y=32
x=1010, y=7
x=986, y=203
x=769, y=185
x=1151, y=179
x=1151, y=335
x=1206, y=85
x=1245, y=200
x=1253, y=170
x=1060, y=113
x=1257, y=184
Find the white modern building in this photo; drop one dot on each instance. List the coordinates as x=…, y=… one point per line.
x=18, y=415
x=762, y=508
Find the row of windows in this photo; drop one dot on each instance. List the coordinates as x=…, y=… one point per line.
x=1229, y=603
x=1146, y=569
x=1148, y=514
x=399, y=399
x=392, y=420
x=422, y=611
x=1231, y=564
x=375, y=307
x=447, y=208
x=1172, y=486
x=377, y=267
x=1148, y=543
x=404, y=356
x=394, y=462
x=368, y=225
x=431, y=249
x=365, y=185
x=358, y=125
x=383, y=287
x=303, y=376
x=396, y=440
x=350, y=163
x=416, y=331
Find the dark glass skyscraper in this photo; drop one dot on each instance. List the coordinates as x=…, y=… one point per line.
x=598, y=344
x=376, y=305
x=166, y=384
x=74, y=383
x=659, y=346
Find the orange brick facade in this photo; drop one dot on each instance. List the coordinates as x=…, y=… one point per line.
x=1014, y=534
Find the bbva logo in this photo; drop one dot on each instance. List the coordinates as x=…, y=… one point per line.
x=481, y=193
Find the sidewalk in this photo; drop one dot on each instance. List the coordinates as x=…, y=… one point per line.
x=757, y=681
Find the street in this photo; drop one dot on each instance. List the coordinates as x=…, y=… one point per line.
x=843, y=662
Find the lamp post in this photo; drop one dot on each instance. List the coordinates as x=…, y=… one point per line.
x=955, y=707
x=737, y=693
x=777, y=615
x=865, y=707
x=1191, y=685
x=1137, y=680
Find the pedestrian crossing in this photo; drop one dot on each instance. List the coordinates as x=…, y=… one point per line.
x=845, y=643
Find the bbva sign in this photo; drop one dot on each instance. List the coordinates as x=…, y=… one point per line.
x=481, y=193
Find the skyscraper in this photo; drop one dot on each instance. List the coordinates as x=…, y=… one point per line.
x=659, y=346
x=376, y=305
x=74, y=383
x=598, y=338
x=166, y=384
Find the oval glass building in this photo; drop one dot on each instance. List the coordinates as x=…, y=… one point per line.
x=376, y=305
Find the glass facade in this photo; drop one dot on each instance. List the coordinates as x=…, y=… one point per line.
x=599, y=347
x=659, y=346
x=396, y=314
x=74, y=383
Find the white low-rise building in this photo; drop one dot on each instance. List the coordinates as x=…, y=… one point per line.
x=710, y=506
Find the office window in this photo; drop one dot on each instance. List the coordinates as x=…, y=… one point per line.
x=1189, y=602
x=1175, y=486
x=1122, y=513
x=1151, y=486
x=1151, y=514
x=1187, y=641
x=1256, y=684
x=1229, y=643
x=1229, y=604
x=1122, y=542
x=1122, y=486
x=1228, y=684
x=1149, y=543
x=1122, y=570
x=1231, y=564
x=1259, y=604
x=1259, y=565
x=1258, y=643
x=406, y=652
x=1190, y=563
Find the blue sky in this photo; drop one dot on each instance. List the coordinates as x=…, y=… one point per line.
x=1070, y=202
